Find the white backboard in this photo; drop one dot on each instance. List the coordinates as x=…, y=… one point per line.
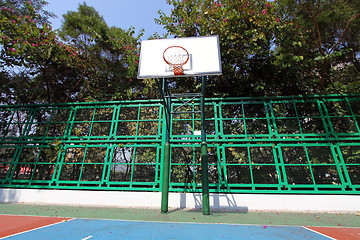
x=204, y=57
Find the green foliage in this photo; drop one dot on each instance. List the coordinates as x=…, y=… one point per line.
x=248, y=31
x=84, y=26
x=328, y=33
x=96, y=62
x=265, y=45
x=110, y=55
x=33, y=59
x=20, y=7
x=268, y=48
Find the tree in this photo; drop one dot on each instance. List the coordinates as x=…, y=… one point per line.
x=265, y=45
x=246, y=30
x=110, y=54
x=330, y=51
x=35, y=65
x=20, y=8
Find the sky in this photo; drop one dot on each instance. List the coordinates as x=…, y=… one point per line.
x=119, y=13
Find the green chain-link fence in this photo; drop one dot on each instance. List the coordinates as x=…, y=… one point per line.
x=256, y=145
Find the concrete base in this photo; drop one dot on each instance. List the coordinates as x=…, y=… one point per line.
x=231, y=202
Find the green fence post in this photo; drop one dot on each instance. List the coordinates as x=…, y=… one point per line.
x=165, y=182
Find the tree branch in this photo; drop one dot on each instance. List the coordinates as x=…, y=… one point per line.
x=75, y=86
x=342, y=35
x=313, y=18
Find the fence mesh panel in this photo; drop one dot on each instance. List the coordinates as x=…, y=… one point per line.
x=305, y=145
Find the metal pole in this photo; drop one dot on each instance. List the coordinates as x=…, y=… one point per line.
x=204, y=156
x=165, y=181
x=166, y=155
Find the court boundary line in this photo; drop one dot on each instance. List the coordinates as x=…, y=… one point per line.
x=171, y=222
x=34, y=229
x=71, y=219
x=307, y=228
x=147, y=221
x=213, y=223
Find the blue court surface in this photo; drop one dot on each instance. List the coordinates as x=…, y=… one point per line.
x=91, y=229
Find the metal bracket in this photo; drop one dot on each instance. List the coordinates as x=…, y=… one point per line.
x=185, y=103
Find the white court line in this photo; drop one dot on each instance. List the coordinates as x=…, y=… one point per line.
x=87, y=238
x=37, y=228
x=319, y=233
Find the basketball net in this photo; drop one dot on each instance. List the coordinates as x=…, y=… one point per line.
x=176, y=57
x=178, y=70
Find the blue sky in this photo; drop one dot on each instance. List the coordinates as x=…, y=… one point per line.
x=120, y=13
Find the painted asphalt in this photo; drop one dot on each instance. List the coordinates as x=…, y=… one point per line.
x=12, y=224
x=30, y=221
x=85, y=229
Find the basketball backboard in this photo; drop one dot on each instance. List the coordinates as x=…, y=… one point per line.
x=204, y=57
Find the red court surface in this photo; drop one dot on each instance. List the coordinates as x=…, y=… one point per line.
x=338, y=232
x=10, y=224
x=34, y=227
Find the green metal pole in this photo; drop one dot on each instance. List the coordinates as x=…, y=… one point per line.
x=165, y=182
x=204, y=156
x=166, y=155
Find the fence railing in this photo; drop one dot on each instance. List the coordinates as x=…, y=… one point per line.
x=302, y=144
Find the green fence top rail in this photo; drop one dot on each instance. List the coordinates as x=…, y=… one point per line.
x=150, y=101
x=228, y=99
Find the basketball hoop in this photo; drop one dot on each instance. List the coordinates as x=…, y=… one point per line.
x=176, y=57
